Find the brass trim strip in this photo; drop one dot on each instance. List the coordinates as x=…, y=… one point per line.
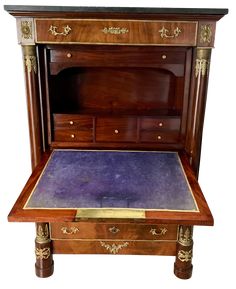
x=190, y=189
x=111, y=212
x=113, y=240
x=45, y=166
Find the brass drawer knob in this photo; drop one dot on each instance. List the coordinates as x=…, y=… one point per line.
x=159, y=137
x=163, y=56
x=158, y=232
x=69, y=55
x=72, y=136
x=116, y=131
x=160, y=124
x=71, y=122
x=69, y=231
x=114, y=230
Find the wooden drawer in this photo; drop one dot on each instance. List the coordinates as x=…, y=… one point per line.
x=159, y=136
x=151, y=123
x=77, y=230
x=72, y=135
x=159, y=55
x=102, y=31
x=70, y=246
x=116, y=129
x=73, y=121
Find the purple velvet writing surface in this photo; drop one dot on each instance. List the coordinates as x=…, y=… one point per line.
x=113, y=179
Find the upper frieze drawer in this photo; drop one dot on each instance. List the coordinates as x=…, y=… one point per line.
x=118, y=32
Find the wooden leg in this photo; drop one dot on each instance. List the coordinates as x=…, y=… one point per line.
x=184, y=251
x=43, y=251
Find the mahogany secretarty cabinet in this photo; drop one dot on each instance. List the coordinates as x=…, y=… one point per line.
x=116, y=100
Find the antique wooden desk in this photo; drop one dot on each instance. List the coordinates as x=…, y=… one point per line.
x=116, y=100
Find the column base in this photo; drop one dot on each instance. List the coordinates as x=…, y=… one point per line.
x=183, y=273
x=44, y=272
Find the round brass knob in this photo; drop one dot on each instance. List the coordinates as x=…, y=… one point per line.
x=163, y=56
x=160, y=124
x=116, y=131
x=159, y=137
x=71, y=122
x=72, y=136
x=69, y=55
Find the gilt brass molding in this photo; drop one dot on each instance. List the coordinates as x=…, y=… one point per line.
x=42, y=234
x=42, y=253
x=114, y=249
x=26, y=29
x=206, y=33
x=185, y=236
x=158, y=232
x=202, y=62
x=115, y=30
x=69, y=231
x=30, y=59
x=31, y=64
x=185, y=256
x=165, y=33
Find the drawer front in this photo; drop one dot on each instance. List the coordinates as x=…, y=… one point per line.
x=77, y=230
x=111, y=129
x=72, y=135
x=116, y=32
x=114, y=247
x=71, y=121
x=159, y=56
x=159, y=136
x=161, y=124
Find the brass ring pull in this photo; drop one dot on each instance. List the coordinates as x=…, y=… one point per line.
x=165, y=33
x=65, y=30
x=114, y=230
x=69, y=231
x=158, y=232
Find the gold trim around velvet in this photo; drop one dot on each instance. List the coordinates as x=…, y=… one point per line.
x=121, y=213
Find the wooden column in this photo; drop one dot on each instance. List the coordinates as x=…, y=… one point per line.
x=43, y=251
x=33, y=102
x=184, y=251
x=197, y=105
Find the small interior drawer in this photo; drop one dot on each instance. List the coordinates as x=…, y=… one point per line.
x=70, y=135
x=116, y=129
x=77, y=230
x=159, y=136
x=72, y=121
x=152, y=123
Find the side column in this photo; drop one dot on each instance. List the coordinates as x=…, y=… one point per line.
x=184, y=252
x=43, y=251
x=33, y=103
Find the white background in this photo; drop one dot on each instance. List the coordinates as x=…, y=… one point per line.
x=214, y=252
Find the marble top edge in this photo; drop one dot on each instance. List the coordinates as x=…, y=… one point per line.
x=147, y=10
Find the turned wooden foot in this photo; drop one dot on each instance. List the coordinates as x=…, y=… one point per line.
x=43, y=251
x=184, y=251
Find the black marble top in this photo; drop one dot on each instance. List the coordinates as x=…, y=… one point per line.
x=141, y=10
